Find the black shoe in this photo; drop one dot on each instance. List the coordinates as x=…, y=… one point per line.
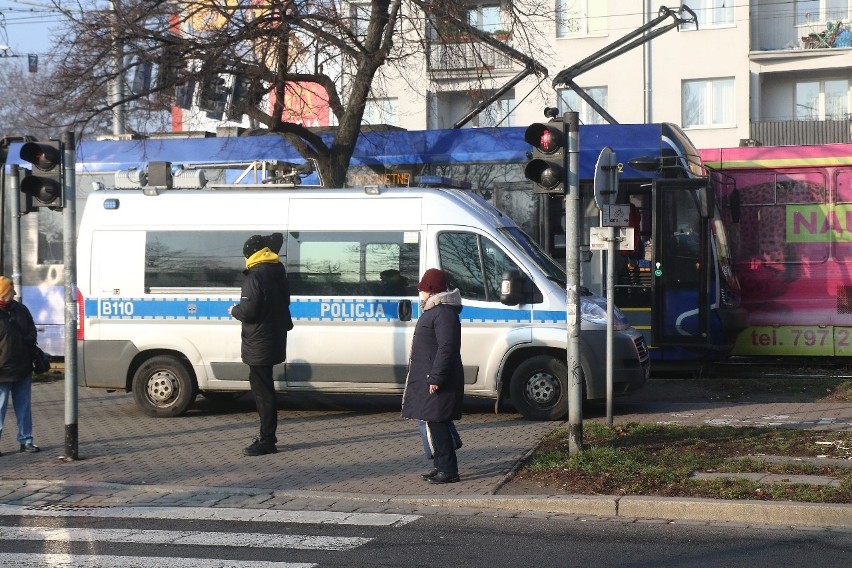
x=429, y=475
x=258, y=448
x=29, y=447
x=444, y=477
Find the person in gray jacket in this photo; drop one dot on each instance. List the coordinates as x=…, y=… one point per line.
x=264, y=311
x=434, y=388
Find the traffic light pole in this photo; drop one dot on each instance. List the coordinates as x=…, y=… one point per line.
x=71, y=312
x=15, y=208
x=573, y=226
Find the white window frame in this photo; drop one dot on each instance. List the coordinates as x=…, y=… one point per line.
x=591, y=16
x=476, y=17
x=828, y=10
x=502, y=111
x=359, y=16
x=711, y=14
x=822, y=102
x=568, y=100
x=381, y=110
x=714, y=114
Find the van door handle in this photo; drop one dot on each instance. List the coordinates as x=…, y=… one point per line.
x=403, y=310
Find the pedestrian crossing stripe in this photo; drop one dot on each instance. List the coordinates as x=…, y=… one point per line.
x=19, y=560
x=183, y=538
x=218, y=514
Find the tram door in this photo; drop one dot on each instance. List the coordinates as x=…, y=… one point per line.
x=681, y=271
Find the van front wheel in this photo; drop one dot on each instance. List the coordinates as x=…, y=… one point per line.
x=539, y=388
x=163, y=387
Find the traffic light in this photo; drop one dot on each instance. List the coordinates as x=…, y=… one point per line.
x=43, y=187
x=547, y=168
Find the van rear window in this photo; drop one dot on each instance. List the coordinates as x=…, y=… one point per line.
x=194, y=259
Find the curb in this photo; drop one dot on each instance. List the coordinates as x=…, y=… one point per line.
x=750, y=512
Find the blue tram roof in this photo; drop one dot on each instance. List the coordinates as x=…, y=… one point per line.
x=388, y=148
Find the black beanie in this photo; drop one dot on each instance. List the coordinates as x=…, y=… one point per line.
x=275, y=241
x=253, y=244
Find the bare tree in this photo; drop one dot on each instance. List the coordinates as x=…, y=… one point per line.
x=266, y=51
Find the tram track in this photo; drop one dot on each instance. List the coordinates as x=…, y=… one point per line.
x=757, y=368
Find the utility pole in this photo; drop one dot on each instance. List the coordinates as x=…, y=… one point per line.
x=116, y=85
x=573, y=226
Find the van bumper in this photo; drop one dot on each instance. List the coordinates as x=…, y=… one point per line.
x=104, y=364
x=631, y=364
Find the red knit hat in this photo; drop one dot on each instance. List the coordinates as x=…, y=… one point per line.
x=433, y=280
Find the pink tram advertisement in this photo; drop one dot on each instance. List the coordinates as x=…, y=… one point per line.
x=789, y=213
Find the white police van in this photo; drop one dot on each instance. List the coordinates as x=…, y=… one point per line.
x=158, y=271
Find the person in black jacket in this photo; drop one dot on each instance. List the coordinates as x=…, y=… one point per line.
x=17, y=343
x=434, y=388
x=264, y=311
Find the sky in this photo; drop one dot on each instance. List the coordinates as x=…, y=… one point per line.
x=25, y=27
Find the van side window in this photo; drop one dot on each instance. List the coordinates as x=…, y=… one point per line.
x=475, y=265
x=353, y=263
x=194, y=259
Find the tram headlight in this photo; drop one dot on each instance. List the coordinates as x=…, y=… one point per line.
x=593, y=310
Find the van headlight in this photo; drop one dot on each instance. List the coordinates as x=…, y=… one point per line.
x=593, y=309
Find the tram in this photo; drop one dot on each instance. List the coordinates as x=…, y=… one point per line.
x=677, y=286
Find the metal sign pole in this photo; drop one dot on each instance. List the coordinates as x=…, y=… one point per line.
x=605, y=190
x=71, y=313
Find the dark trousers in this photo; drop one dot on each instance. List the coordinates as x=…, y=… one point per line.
x=263, y=389
x=443, y=447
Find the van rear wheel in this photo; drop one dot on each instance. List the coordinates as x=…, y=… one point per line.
x=539, y=388
x=163, y=387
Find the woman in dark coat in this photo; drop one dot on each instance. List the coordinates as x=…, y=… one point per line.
x=435, y=385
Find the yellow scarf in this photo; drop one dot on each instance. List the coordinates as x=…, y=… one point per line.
x=261, y=256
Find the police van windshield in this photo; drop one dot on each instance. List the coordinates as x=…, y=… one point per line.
x=543, y=260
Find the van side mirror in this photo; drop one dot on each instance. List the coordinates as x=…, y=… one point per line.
x=512, y=288
x=403, y=310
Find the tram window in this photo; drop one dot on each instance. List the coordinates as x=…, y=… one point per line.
x=843, y=207
x=50, y=241
x=779, y=216
x=352, y=263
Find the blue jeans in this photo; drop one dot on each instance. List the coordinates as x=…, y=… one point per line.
x=21, y=391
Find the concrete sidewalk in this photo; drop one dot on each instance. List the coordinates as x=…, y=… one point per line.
x=351, y=454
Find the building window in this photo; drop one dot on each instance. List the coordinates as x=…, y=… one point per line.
x=810, y=12
x=822, y=100
x=382, y=111
x=359, y=14
x=485, y=18
x=708, y=102
x=499, y=113
x=571, y=101
x=580, y=18
x=711, y=13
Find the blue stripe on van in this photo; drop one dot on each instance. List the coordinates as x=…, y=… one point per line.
x=302, y=309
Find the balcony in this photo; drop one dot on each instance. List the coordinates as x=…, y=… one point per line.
x=461, y=55
x=777, y=31
x=796, y=132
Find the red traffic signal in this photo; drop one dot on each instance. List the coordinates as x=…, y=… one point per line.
x=547, y=138
x=547, y=168
x=44, y=185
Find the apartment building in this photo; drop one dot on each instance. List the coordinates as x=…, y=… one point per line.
x=764, y=71
x=733, y=72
